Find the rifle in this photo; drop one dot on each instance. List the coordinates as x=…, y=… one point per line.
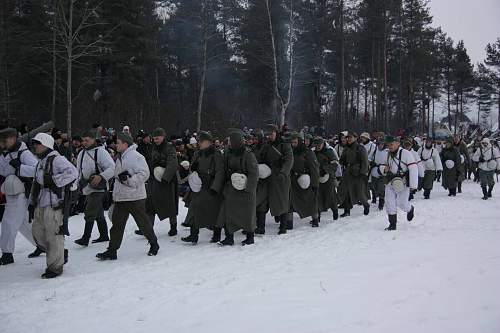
x=66, y=207
x=45, y=127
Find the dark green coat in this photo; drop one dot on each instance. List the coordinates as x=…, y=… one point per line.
x=462, y=150
x=450, y=176
x=278, y=156
x=355, y=162
x=304, y=202
x=263, y=184
x=164, y=195
x=204, y=206
x=238, y=207
x=327, y=193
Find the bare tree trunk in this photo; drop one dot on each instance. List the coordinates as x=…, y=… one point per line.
x=157, y=86
x=54, y=65
x=274, y=59
x=202, y=84
x=69, y=49
x=342, y=62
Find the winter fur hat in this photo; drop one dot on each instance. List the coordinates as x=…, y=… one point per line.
x=391, y=139
x=269, y=128
x=45, y=140
x=90, y=134
x=125, y=137
x=365, y=135
x=318, y=140
x=236, y=137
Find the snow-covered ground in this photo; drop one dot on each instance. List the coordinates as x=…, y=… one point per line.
x=441, y=273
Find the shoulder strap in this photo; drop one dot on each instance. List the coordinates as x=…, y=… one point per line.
x=96, y=166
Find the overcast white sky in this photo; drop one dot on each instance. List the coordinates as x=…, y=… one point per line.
x=477, y=22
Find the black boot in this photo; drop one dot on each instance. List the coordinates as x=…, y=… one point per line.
x=248, y=240
x=35, y=254
x=315, y=223
x=289, y=224
x=82, y=242
x=427, y=194
x=261, y=223
x=410, y=214
x=50, y=275
x=485, y=193
x=216, y=235
x=193, y=236
x=366, y=209
x=6, y=259
x=410, y=198
x=374, y=199
x=173, y=227
x=490, y=191
x=277, y=219
x=139, y=232
x=459, y=187
x=283, y=225
x=347, y=212
x=107, y=255
x=393, y=220
x=153, y=249
x=228, y=241
x=335, y=213
x=381, y=203
x=66, y=256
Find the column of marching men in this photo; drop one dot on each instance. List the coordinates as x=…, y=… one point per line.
x=227, y=186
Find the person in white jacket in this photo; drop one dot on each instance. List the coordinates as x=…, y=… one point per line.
x=17, y=168
x=401, y=172
x=129, y=196
x=52, y=175
x=488, y=159
x=370, y=148
x=95, y=168
x=408, y=145
x=377, y=167
x=431, y=162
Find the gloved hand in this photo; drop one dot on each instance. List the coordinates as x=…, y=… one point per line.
x=15, y=163
x=122, y=177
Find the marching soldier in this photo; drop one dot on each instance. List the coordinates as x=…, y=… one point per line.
x=370, y=148
x=129, y=196
x=431, y=162
x=401, y=174
x=278, y=156
x=17, y=168
x=205, y=201
x=488, y=159
x=408, y=145
x=52, y=176
x=304, y=182
x=263, y=183
x=450, y=157
x=95, y=168
x=377, y=167
x=355, y=162
x=238, y=207
x=461, y=146
x=328, y=163
x=164, y=198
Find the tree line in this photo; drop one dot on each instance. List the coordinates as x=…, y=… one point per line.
x=214, y=64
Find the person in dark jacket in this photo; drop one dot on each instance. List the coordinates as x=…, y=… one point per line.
x=354, y=159
x=278, y=156
x=204, y=206
x=238, y=206
x=450, y=157
x=304, y=182
x=263, y=183
x=461, y=146
x=328, y=164
x=163, y=184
